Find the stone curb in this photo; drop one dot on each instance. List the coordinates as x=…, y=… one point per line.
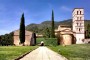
x=24, y=55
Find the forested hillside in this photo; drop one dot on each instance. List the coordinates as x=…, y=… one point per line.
x=39, y=28
x=7, y=39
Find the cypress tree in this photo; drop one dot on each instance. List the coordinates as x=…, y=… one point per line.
x=52, y=29
x=88, y=30
x=22, y=30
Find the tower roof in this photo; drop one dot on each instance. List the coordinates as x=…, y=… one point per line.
x=77, y=8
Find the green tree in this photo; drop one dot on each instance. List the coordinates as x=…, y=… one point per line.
x=88, y=31
x=11, y=39
x=47, y=33
x=52, y=27
x=7, y=39
x=22, y=30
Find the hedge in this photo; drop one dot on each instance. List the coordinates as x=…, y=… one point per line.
x=47, y=41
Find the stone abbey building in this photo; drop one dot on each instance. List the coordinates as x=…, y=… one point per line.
x=29, y=38
x=67, y=34
x=74, y=35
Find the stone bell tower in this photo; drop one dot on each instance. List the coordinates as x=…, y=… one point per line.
x=78, y=24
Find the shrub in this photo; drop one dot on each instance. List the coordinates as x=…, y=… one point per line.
x=47, y=41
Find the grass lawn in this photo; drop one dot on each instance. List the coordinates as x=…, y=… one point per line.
x=74, y=52
x=12, y=52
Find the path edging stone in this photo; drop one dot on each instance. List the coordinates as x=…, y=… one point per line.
x=23, y=55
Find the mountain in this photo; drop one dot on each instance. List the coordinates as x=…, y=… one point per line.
x=38, y=28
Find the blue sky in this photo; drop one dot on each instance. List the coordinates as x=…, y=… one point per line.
x=37, y=11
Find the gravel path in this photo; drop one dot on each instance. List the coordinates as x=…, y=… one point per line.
x=43, y=53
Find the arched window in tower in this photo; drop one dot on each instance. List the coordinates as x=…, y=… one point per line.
x=79, y=29
x=77, y=12
x=77, y=24
x=80, y=12
x=80, y=18
x=77, y=18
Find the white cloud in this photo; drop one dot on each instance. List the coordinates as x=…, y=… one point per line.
x=65, y=8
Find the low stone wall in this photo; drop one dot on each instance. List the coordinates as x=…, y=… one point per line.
x=86, y=40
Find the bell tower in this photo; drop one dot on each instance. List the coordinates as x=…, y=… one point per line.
x=78, y=24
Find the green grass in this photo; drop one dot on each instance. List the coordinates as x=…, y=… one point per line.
x=74, y=52
x=47, y=41
x=12, y=52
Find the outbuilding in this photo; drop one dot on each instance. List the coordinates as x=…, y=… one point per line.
x=29, y=38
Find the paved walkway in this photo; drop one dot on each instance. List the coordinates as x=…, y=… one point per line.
x=43, y=53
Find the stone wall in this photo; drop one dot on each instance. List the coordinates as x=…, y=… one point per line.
x=66, y=37
x=86, y=40
x=28, y=38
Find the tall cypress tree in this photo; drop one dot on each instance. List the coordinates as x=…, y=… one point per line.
x=22, y=30
x=52, y=29
x=88, y=30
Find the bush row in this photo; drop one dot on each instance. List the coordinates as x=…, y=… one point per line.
x=47, y=41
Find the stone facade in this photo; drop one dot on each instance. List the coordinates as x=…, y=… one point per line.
x=65, y=35
x=29, y=39
x=86, y=40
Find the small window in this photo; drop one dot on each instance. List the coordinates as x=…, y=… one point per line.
x=77, y=24
x=80, y=18
x=80, y=12
x=77, y=12
x=77, y=18
x=79, y=29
